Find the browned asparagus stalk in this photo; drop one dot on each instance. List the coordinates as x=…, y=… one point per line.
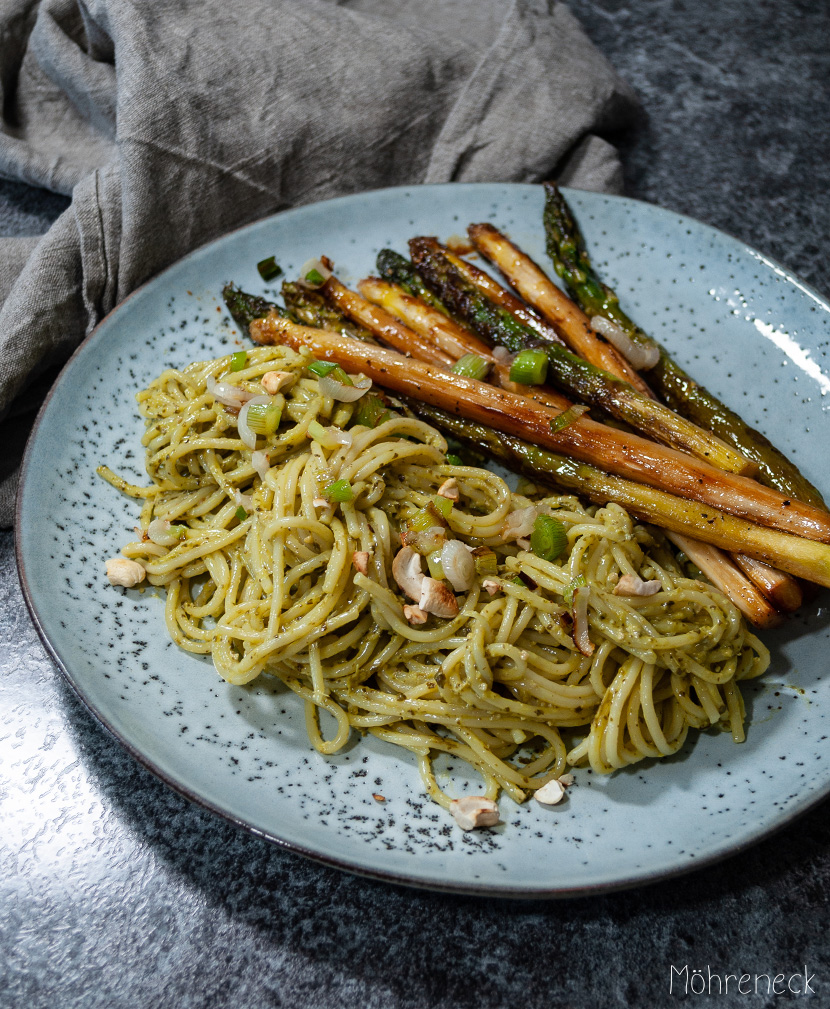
x=383, y=325
x=505, y=298
x=783, y=591
x=717, y=567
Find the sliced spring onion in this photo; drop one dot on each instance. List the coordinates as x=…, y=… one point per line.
x=529, y=367
x=321, y=368
x=224, y=392
x=339, y=491
x=314, y=273
x=458, y=565
x=576, y=583
x=372, y=412
x=567, y=417
x=328, y=437
x=268, y=268
x=334, y=382
x=425, y=519
x=424, y=541
x=548, y=538
x=422, y=520
x=472, y=366
x=580, y=615
x=164, y=534
x=434, y=563
x=443, y=505
x=261, y=461
x=317, y=431
x=241, y=514
x=485, y=561
x=246, y=432
x=454, y=460
x=638, y=355
x=519, y=523
x=264, y=418
x=239, y=360
x=343, y=392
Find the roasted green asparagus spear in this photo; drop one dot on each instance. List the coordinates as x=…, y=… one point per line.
x=566, y=247
x=303, y=305
x=397, y=269
x=244, y=307
x=576, y=376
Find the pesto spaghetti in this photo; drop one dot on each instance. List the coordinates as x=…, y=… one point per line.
x=279, y=521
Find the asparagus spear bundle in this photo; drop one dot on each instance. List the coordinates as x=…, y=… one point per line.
x=532, y=283
x=586, y=383
x=566, y=247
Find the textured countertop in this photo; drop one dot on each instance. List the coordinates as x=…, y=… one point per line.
x=118, y=892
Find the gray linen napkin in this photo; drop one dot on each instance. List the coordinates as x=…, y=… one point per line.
x=174, y=121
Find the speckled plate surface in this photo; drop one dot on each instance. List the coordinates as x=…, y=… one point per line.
x=744, y=327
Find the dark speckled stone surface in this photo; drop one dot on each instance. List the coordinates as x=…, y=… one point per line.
x=117, y=892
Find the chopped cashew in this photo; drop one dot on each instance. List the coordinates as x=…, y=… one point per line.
x=633, y=585
x=414, y=614
x=566, y=780
x=273, y=381
x=321, y=502
x=360, y=560
x=449, y=489
x=550, y=793
x=471, y=811
x=437, y=598
x=122, y=571
x=406, y=570
x=491, y=586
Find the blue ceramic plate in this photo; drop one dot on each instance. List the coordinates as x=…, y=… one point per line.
x=752, y=333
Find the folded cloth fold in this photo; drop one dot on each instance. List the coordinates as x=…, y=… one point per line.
x=172, y=122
